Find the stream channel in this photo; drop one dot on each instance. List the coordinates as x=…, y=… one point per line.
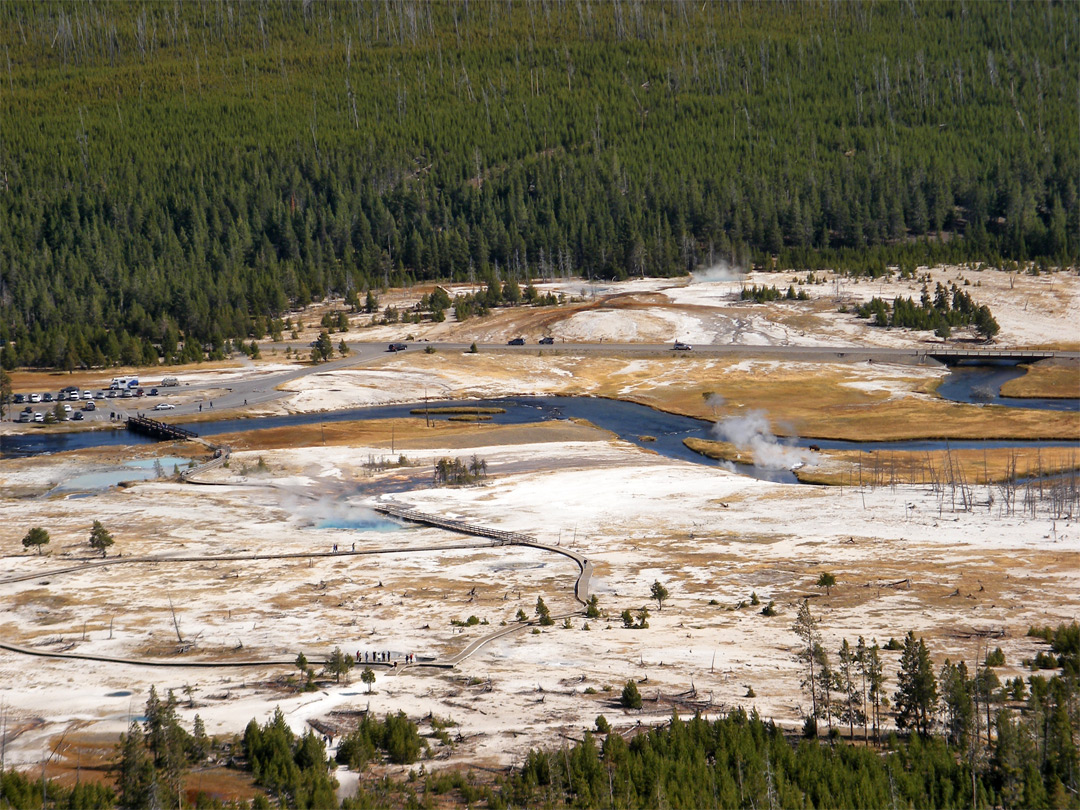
x=628, y=420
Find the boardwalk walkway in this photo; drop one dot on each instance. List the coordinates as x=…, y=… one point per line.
x=500, y=538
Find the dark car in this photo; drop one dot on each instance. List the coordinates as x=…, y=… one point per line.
x=19, y=398
x=683, y=347
x=546, y=341
x=153, y=392
x=47, y=397
x=397, y=347
x=77, y=416
x=516, y=342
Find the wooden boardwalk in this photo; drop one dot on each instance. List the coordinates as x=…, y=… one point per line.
x=500, y=538
x=159, y=430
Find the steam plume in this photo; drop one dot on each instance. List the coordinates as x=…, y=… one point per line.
x=753, y=433
x=721, y=271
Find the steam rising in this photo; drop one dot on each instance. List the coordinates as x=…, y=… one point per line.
x=327, y=513
x=721, y=271
x=753, y=433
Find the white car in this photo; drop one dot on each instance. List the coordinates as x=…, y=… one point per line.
x=164, y=406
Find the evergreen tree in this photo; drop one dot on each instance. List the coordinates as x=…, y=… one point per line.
x=806, y=628
x=100, y=539
x=659, y=593
x=36, y=538
x=916, y=696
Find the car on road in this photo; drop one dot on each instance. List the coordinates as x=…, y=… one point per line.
x=546, y=341
x=77, y=416
x=516, y=342
x=683, y=347
x=397, y=347
x=164, y=406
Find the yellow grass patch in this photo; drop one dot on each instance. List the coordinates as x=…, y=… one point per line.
x=823, y=400
x=971, y=466
x=1052, y=380
x=409, y=434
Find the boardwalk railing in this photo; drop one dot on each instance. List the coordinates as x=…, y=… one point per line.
x=413, y=516
x=581, y=584
x=221, y=456
x=159, y=430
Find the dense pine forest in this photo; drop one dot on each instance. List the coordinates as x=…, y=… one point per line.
x=173, y=175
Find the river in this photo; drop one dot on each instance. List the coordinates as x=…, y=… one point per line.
x=628, y=420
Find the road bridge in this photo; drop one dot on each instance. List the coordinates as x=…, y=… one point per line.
x=953, y=356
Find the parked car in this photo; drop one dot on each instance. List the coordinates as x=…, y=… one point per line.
x=87, y=394
x=112, y=393
x=153, y=392
x=139, y=392
x=20, y=398
x=70, y=389
x=127, y=394
x=67, y=408
x=26, y=416
x=89, y=406
x=683, y=347
x=546, y=341
x=164, y=406
x=397, y=347
x=39, y=417
x=516, y=342
x=47, y=397
x=35, y=397
x=77, y=416
x=99, y=395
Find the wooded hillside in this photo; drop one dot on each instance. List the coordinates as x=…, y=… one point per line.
x=190, y=170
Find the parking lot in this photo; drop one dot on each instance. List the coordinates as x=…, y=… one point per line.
x=72, y=404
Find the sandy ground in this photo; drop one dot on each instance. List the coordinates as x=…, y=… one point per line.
x=903, y=557
x=712, y=537
x=1030, y=309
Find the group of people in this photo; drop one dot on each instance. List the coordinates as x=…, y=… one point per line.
x=381, y=658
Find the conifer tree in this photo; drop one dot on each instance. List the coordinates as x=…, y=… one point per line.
x=916, y=696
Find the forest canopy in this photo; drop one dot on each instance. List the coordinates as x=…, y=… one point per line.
x=173, y=175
